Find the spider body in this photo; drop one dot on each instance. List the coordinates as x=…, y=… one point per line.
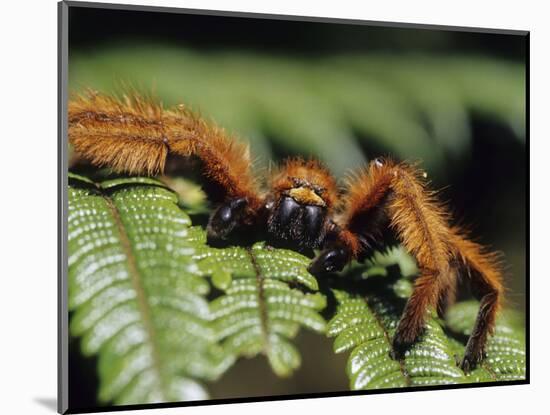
x=302, y=206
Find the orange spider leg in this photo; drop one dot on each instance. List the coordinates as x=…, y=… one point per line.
x=447, y=296
x=135, y=135
x=485, y=277
x=421, y=225
x=361, y=223
x=396, y=194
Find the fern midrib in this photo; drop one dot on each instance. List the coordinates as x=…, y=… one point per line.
x=388, y=339
x=143, y=305
x=262, y=309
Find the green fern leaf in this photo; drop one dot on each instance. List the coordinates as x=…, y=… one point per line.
x=262, y=307
x=137, y=293
x=365, y=322
x=136, y=298
x=505, y=349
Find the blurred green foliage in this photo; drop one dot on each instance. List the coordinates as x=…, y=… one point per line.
x=412, y=106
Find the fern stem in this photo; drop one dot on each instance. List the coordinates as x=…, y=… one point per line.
x=388, y=339
x=261, y=300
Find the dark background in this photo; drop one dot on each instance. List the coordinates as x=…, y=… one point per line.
x=486, y=187
x=91, y=28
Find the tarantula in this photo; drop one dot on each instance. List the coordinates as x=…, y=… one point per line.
x=302, y=205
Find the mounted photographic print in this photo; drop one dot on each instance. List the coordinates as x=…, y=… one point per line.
x=258, y=207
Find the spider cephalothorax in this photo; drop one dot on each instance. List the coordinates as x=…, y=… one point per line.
x=301, y=205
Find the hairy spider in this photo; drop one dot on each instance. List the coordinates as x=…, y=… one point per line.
x=302, y=205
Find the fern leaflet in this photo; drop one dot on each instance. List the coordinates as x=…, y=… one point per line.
x=366, y=319
x=261, y=307
x=136, y=297
x=505, y=349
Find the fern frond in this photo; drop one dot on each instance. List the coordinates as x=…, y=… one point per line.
x=505, y=349
x=366, y=326
x=136, y=298
x=262, y=307
x=366, y=319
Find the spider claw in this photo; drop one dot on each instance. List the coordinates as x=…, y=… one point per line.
x=470, y=360
x=399, y=347
x=466, y=365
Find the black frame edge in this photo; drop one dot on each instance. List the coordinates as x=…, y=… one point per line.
x=319, y=19
x=62, y=203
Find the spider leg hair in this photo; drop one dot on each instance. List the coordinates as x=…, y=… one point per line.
x=396, y=194
x=361, y=222
x=311, y=172
x=135, y=135
x=420, y=223
x=484, y=273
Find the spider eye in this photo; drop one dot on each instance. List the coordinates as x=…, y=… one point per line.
x=378, y=162
x=297, y=182
x=318, y=189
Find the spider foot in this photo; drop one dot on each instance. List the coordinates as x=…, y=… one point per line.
x=225, y=218
x=400, y=345
x=329, y=260
x=471, y=359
